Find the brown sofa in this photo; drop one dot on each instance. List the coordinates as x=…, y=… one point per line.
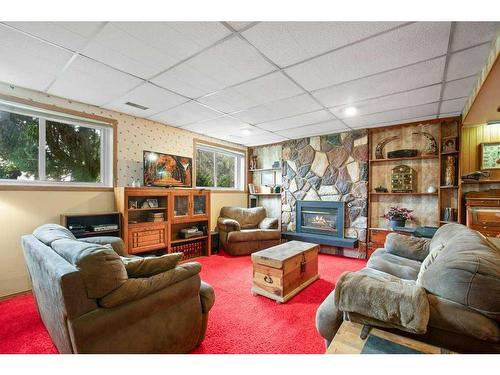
x=243, y=231
x=90, y=304
x=444, y=291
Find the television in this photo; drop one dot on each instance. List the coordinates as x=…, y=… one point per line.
x=167, y=170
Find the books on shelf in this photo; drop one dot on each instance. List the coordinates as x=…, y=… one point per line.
x=155, y=216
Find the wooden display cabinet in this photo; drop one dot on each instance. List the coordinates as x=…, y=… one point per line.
x=154, y=217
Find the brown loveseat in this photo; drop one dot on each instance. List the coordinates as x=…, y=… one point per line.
x=244, y=231
x=444, y=291
x=90, y=304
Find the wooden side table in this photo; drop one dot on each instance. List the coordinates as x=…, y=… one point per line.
x=348, y=341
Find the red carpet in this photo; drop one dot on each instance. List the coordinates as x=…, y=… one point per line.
x=238, y=323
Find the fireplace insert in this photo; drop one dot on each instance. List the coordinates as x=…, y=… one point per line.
x=320, y=217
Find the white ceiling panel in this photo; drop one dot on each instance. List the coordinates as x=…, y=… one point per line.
x=226, y=64
x=219, y=124
x=274, y=86
x=468, y=34
x=28, y=62
x=459, y=88
x=91, y=82
x=238, y=25
x=407, y=78
x=467, y=62
x=328, y=127
x=185, y=114
x=287, y=43
x=261, y=139
x=147, y=95
x=397, y=122
x=406, y=45
x=147, y=48
x=279, y=109
x=402, y=114
x=387, y=103
x=296, y=121
x=71, y=35
x=453, y=105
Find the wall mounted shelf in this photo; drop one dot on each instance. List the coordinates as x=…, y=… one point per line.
x=421, y=157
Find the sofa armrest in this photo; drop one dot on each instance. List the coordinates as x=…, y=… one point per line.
x=116, y=243
x=397, y=303
x=328, y=318
x=207, y=296
x=269, y=223
x=228, y=225
x=415, y=248
x=137, y=288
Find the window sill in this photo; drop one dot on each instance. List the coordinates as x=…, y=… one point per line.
x=20, y=187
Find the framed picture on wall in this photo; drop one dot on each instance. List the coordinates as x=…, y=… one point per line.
x=489, y=153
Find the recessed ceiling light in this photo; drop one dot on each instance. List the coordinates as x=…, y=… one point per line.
x=246, y=132
x=350, y=111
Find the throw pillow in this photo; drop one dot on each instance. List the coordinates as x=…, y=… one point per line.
x=149, y=266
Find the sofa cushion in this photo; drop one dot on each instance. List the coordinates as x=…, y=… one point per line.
x=101, y=268
x=134, y=289
x=248, y=218
x=49, y=233
x=395, y=265
x=429, y=259
x=150, y=266
x=249, y=235
x=408, y=247
x=466, y=271
x=115, y=242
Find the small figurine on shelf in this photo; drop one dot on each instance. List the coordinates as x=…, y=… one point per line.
x=449, y=178
x=398, y=216
x=253, y=162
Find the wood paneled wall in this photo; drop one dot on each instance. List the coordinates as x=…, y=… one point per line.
x=472, y=136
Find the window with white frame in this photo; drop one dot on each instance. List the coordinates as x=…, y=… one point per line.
x=42, y=147
x=218, y=167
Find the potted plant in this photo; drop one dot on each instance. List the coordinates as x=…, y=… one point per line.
x=398, y=216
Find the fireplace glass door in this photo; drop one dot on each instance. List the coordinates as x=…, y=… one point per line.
x=319, y=221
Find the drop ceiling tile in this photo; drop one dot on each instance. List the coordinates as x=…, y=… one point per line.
x=467, y=62
x=401, y=115
x=397, y=122
x=468, y=34
x=147, y=48
x=223, y=123
x=387, y=103
x=147, y=95
x=279, y=109
x=453, y=105
x=296, y=121
x=406, y=45
x=71, y=35
x=261, y=139
x=459, y=88
x=287, y=43
x=269, y=88
x=407, y=78
x=223, y=65
x=91, y=82
x=242, y=131
x=185, y=114
x=28, y=62
x=328, y=127
x=238, y=25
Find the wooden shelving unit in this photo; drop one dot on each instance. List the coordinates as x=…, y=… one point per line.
x=88, y=220
x=181, y=208
x=428, y=170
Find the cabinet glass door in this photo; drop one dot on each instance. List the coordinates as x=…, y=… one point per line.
x=200, y=205
x=181, y=205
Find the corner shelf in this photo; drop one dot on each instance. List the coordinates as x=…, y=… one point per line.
x=421, y=157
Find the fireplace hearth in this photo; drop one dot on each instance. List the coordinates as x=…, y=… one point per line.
x=321, y=222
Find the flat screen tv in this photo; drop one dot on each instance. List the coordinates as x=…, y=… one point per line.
x=167, y=170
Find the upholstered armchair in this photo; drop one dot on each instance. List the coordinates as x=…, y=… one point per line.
x=243, y=231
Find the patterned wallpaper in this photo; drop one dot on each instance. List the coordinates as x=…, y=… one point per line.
x=134, y=134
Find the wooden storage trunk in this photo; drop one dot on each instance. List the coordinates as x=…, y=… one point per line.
x=282, y=271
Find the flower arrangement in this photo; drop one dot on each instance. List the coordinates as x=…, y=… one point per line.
x=399, y=213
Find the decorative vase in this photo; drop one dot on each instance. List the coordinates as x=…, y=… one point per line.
x=393, y=223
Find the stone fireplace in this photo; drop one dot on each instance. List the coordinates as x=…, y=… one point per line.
x=326, y=218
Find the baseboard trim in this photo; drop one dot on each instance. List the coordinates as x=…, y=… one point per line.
x=2, y=298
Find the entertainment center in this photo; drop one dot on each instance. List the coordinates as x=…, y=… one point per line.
x=176, y=209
